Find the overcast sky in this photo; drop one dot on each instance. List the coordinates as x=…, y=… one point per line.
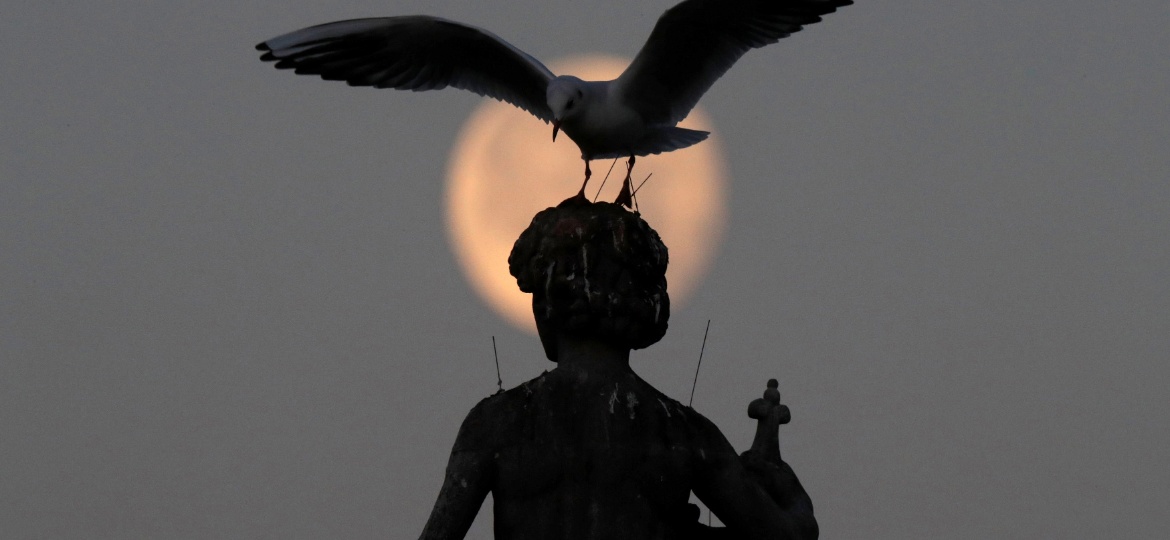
x=228, y=308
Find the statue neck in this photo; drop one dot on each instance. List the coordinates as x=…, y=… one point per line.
x=590, y=356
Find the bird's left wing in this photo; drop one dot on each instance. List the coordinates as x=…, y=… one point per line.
x=415, y=53
x=697, y=41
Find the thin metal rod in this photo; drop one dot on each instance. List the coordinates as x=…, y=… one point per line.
x=499, y=380
x=642, y=184
x=696, y=383
x=603, y=180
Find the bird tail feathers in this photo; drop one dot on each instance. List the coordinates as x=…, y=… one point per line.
x=669, y=138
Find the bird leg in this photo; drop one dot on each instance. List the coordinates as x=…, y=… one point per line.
x=625, y=198
x=588, y=173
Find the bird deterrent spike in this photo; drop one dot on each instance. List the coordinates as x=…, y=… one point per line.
x=602, y=186
x=700, y=364
x=499, y=380
x=639, y=188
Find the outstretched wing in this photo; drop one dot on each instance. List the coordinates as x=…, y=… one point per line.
x=697, y=41
x=415, y=53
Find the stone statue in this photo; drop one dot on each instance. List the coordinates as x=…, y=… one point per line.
x=589, y=450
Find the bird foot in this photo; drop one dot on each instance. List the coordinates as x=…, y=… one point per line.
x=588, y=173
x=625, y=197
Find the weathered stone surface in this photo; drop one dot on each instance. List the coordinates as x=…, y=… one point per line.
x=594, y=269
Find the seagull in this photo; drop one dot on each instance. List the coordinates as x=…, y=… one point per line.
x=692, y=45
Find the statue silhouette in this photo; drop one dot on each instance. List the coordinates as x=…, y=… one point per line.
x=589, y=450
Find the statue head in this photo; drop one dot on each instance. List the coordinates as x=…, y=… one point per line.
x=595, y=271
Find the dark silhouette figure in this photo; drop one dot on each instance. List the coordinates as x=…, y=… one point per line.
x=589, y=450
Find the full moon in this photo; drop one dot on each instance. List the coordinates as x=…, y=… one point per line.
x=504, y=168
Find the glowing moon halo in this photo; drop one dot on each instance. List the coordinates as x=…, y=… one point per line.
x=504, y=168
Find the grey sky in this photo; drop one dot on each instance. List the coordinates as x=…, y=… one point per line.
x=228, y=310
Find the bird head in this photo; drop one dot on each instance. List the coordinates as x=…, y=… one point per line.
x=565, y=96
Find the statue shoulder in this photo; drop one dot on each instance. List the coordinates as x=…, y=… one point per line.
x=491, y=420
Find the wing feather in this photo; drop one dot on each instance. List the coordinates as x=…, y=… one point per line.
x=414, y=53
x=697, y=41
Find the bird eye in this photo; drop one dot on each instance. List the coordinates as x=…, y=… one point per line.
x=570, y=104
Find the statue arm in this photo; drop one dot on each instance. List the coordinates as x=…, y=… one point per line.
x=466, y=483
x=741, y=497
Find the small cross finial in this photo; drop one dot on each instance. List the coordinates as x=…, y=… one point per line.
x=769, y=414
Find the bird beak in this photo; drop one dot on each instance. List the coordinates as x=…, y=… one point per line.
x=556, y=129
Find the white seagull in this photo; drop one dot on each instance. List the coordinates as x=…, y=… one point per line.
x=692, y=45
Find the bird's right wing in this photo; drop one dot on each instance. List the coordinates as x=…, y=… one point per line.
x=415, y=53
x=697, y=41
